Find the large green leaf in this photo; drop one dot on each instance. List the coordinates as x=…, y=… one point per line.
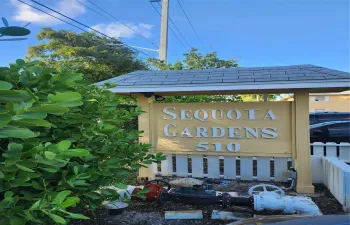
x=50, y=155
x=78, y=152
x=30, y=115
x=51, y=109
x=4, y=119
x=5, y=85
x=15, y=132
x=2, y=175
x=78, y=216
x=63, y=145
x=68, y=96
x=71, y=201
x=93, y=195
x=57, y=218
x=14, y=147
x=24, y=168
x=36, y=205
x=14, y=96
x=71, y=104
x=31, y=122
x=60, y=197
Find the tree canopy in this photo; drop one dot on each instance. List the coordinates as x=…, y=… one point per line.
x=86, y=52
x=195, y=60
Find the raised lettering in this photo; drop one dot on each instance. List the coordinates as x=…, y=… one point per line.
x=251, y=113
x=229, y=114
x=251, y=131
x=234, y=132
x=215, y=132
x=236, y=148
x=270, y=115
x=205, y=115
x=166, y=130
x=269, y=133
x=202, y=147
x=201, y=132
x=217, y=147
x=186, y=132
x=184, y=114
x=213, y=114
x=165, y=110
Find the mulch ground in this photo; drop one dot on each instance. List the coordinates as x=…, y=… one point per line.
x=150, y=213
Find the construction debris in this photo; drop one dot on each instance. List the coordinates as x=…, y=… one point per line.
x=184, y=215
x=186, y=182
x=223, y=215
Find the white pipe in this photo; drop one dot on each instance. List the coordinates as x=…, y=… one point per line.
x=289, y=204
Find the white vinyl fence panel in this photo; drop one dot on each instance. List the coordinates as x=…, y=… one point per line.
x=330, y=149
x=337, y=178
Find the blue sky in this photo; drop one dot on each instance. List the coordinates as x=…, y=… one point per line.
x=255, y=32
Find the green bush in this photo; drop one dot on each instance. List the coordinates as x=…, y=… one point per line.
x=61, y=140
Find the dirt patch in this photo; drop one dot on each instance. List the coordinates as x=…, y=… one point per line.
x=150, y=213
x=326, y=202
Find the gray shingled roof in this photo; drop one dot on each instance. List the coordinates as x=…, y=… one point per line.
x=227, y=76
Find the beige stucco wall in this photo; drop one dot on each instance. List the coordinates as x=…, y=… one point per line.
x=334, y=103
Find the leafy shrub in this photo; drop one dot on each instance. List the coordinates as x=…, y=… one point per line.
x=61, y=140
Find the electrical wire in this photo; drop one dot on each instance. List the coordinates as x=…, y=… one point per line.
x=169, y=27
x=61, y=19
x=172, y=22
x=188, y=19
x=124, y=24
x=52, y=15
x=105, y=35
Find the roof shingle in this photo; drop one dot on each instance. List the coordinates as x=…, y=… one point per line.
x=226, y=76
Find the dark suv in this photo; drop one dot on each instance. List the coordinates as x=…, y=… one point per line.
x=332, y=131
x=320, y=117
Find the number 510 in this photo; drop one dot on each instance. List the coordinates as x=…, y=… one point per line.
x=231, y=147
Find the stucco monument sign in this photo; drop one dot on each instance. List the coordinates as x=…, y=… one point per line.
x=252, y=129
x=258, y=131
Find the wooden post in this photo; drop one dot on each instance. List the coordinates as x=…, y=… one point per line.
x=144, y=125
x=302, y=143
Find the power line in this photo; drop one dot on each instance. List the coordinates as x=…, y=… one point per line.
x=52, y=15
x=58, y=18
x=87, y=26
x=188, y=19
x=125, y=25
x=169, y=27
x=176, y=28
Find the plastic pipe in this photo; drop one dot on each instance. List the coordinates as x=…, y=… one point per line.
x=288, y=204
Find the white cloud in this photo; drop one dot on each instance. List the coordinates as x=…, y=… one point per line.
x=25, y=13
x=118, y=30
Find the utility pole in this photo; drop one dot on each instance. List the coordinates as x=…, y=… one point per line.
x=163, y=51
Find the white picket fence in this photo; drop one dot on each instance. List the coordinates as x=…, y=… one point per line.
x=247, y=168
x=336, y=176
x=227, y=167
